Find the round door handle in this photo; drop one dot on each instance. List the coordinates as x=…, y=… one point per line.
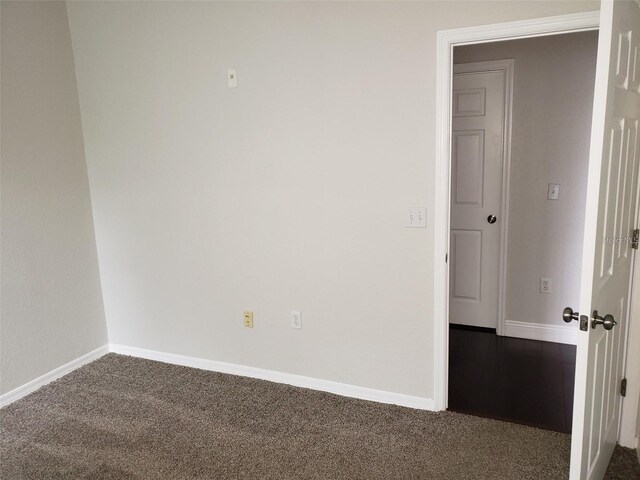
x=492, y=219
x=608, y=322
x=568, y=315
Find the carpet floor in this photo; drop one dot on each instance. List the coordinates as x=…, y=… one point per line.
x=127, y=418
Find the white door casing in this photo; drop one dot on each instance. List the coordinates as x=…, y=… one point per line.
x=447, y=40
x=481, y=113
x=611, y=215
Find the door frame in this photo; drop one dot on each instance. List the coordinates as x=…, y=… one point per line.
x=507, y=67
x=446, y=41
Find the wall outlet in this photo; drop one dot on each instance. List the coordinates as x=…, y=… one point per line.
x=248, y=318
x=554, y=191
x=296, y=319
x=545, y=285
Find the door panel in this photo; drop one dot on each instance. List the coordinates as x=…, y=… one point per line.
x=476, y=192
x=611, y=215
x=468, y=167
x=469, y=102
x=466, y=263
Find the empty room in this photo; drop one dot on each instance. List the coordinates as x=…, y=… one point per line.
x=320, y=240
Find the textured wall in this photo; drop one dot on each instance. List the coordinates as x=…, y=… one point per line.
x=288, y=192
x=553, y=98
x=52, y=309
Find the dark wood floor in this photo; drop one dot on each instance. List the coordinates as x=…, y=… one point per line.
x=522, y=381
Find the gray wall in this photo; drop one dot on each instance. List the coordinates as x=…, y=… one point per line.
x=553, y=97
x=287, y=193
x=52, y=310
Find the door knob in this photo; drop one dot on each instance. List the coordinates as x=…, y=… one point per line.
x=492, y=219
x=608, y=322
x=568, y=315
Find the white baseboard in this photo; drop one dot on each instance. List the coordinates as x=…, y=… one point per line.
x=343, y=389
x=546, y=333
x=337, y=388
x=33, y=385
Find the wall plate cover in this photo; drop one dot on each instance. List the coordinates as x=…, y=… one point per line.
x=296, y=319
x=232, y=78
x=247, y=318
x=416, y=217
x=545, y=285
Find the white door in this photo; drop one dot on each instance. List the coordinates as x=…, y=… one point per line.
x=611, y=216
x=478, y=138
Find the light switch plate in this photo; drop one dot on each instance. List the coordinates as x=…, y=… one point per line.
x=416, y=217
x=554, y=191
x=232, y=78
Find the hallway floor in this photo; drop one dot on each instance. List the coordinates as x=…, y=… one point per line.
x=522, y=381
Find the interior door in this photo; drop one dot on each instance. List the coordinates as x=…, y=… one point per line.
x=611, y=216
x=476, y=193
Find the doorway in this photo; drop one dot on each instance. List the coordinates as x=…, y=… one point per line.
x=611, y=217
x=510, y=356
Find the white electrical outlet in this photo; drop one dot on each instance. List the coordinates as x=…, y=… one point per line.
x=296, y=319
x=545, y=285
x=416, y=217
x=554, y=191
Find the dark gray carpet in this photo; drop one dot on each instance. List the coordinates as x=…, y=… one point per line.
x=127, y=418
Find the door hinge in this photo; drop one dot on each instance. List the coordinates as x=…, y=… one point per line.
x=623, y=387
x=446, y=258
x=635, y=238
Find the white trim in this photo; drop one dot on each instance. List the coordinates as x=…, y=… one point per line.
x=54, y=374
x=530, y=28
x=343, y=389
x=446, y=40
x=507, y=67
x=546, y=333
